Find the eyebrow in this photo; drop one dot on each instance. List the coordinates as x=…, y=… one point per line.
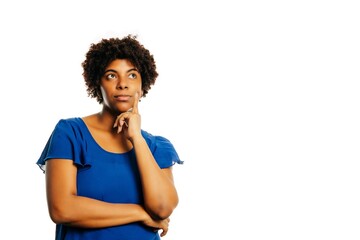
x=112, y=70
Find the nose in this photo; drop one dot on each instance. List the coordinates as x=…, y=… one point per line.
x=121, y=83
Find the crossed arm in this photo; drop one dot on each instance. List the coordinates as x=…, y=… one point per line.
x=66, y=207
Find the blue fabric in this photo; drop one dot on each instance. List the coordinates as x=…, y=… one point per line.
x=106, y=176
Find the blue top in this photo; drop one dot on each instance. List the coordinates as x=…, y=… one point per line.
x=103, y=175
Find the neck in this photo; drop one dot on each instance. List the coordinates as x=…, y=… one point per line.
x=107, y=118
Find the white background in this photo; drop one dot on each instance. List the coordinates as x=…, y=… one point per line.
x=260, y=98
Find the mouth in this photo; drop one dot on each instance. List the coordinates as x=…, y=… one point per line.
x=122, y=98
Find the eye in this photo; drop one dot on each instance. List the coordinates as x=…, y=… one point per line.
x=110, y=76
x=132, y=75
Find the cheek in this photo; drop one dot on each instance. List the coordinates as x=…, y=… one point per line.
x=139, y=88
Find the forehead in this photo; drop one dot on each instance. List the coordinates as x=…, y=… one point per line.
x=123, y=64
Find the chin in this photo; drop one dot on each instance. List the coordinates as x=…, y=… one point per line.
x=123, y=109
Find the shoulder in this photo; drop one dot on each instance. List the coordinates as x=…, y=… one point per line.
x=154, y=139
x=67, y=123
x=162, y=149
x=69, y=126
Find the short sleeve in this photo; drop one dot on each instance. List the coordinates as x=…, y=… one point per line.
x=162, y=150
x=165, y=153
x=64, y=144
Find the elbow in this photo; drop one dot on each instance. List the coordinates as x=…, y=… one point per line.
x=161, y=211
x=164, y=213
x=160, y=214
x=59, y=215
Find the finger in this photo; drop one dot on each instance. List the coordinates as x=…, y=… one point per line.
x=164, y=232
x=121, y=125
x=123, y=121
x=119, y=129
x=120, y=121
x=136, y=101
x=116, y=122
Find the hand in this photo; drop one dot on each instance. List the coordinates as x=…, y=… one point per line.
x=158, y=224
x=129, y=123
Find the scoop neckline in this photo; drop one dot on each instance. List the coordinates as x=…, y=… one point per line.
x=96, y=143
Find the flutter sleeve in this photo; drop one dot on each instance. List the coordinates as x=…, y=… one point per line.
x=162, y=150
x=64, y=143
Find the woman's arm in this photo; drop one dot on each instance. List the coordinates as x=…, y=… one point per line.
x=65, y=207
x=160, y=195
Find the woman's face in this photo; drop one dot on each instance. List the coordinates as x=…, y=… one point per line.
x=119, y=83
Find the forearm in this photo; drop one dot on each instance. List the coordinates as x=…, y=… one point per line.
x=160, y=196
x=91, y=213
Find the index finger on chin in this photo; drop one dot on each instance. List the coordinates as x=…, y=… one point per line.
x=136, y=101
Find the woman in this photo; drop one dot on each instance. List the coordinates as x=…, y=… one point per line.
x=106, y=178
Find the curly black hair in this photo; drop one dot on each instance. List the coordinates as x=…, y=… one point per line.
x=100, y=55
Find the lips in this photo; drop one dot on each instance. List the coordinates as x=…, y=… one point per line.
x=122, y=98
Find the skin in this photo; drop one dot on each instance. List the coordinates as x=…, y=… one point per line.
x=118, y=130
